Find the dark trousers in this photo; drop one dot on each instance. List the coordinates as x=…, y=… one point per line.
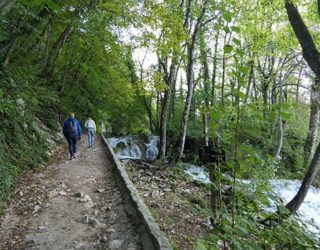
x=72, y=142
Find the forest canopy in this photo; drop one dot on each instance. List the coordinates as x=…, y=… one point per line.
x=244, y=73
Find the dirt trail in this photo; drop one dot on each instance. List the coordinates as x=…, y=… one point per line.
x=71, y=204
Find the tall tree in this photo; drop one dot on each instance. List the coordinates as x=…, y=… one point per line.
x=312, y=56
x=191, y=46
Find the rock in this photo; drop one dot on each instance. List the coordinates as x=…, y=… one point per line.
x=95, y=223
x=197, y=206
x=42, y=228
x=85, y=199
x=86, y=219
x=106, y=208
x=104, y=239
x=100, y=190
x=111, y=230
x=89, y=204
x=186, y=191
x=63, y=193
x=115, y=244
x=95, y=212
x=78, y=195
x=29, y=240
x=207, y=223
x=40, y=175
x=80, y=245
x=132, y=246
x=20, y=193
x=113, y=216
x=37, y=208
x=155, y=194
x=52, y=194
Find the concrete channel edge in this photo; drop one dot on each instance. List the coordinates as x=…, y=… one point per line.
x=152, y=233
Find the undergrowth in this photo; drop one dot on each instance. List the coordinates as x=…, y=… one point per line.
x=24, y=103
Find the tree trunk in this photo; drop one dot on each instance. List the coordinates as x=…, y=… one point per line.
x=313, y=123
x=312, y=56
x=309, y=49
x=298, y=84
x=190, y=83
x=56, y=46
x=280, y=124
x=296, y=202
x=7, y=58
x=223, y=77
x=173, y=100
x=206, y=85
x=265, y=87
x=249, y=82
x=169, y=79
x=214, y=70
x=157, y=111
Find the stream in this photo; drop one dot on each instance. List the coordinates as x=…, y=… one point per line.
x=309, y=211
x=133, y=147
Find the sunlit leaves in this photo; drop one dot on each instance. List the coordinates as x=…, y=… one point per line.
x=228, y=49
x=227, y=16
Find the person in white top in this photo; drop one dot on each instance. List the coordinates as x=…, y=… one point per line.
x=91, y=126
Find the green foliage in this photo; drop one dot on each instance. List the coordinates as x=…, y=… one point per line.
x=20, y=110
x=251, y=231
x=89, y=71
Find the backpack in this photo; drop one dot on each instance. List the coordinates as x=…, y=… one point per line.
x=72, y=128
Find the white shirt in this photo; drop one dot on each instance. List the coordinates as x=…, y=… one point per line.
x=90, y=124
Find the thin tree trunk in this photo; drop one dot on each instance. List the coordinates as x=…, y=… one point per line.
x=313, y=123
x=7, y=58
x=298, y=85
x=223, y=74
x=194, y=111
x=56, y=46
x=206, y=83
x=249, y=82
x=280, y=124
x=173, y=99
x=169, y=79
x=214, y=70
x=190, y=83
x=254, y=87
x=157, y=111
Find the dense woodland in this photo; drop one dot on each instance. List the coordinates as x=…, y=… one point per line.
x=244, y=73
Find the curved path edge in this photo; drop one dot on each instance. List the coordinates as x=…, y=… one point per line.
x=153, y=237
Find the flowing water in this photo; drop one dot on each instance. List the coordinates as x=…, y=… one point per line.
x=309, y=211
x=133, y=147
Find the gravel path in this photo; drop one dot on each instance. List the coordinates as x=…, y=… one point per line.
x=69, y=205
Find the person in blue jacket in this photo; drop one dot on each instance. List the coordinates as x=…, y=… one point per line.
x=72, y=132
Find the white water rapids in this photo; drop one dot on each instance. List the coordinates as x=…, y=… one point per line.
x=309, y=211
x=131, y=147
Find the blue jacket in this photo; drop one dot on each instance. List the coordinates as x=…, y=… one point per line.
x=66, y=128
